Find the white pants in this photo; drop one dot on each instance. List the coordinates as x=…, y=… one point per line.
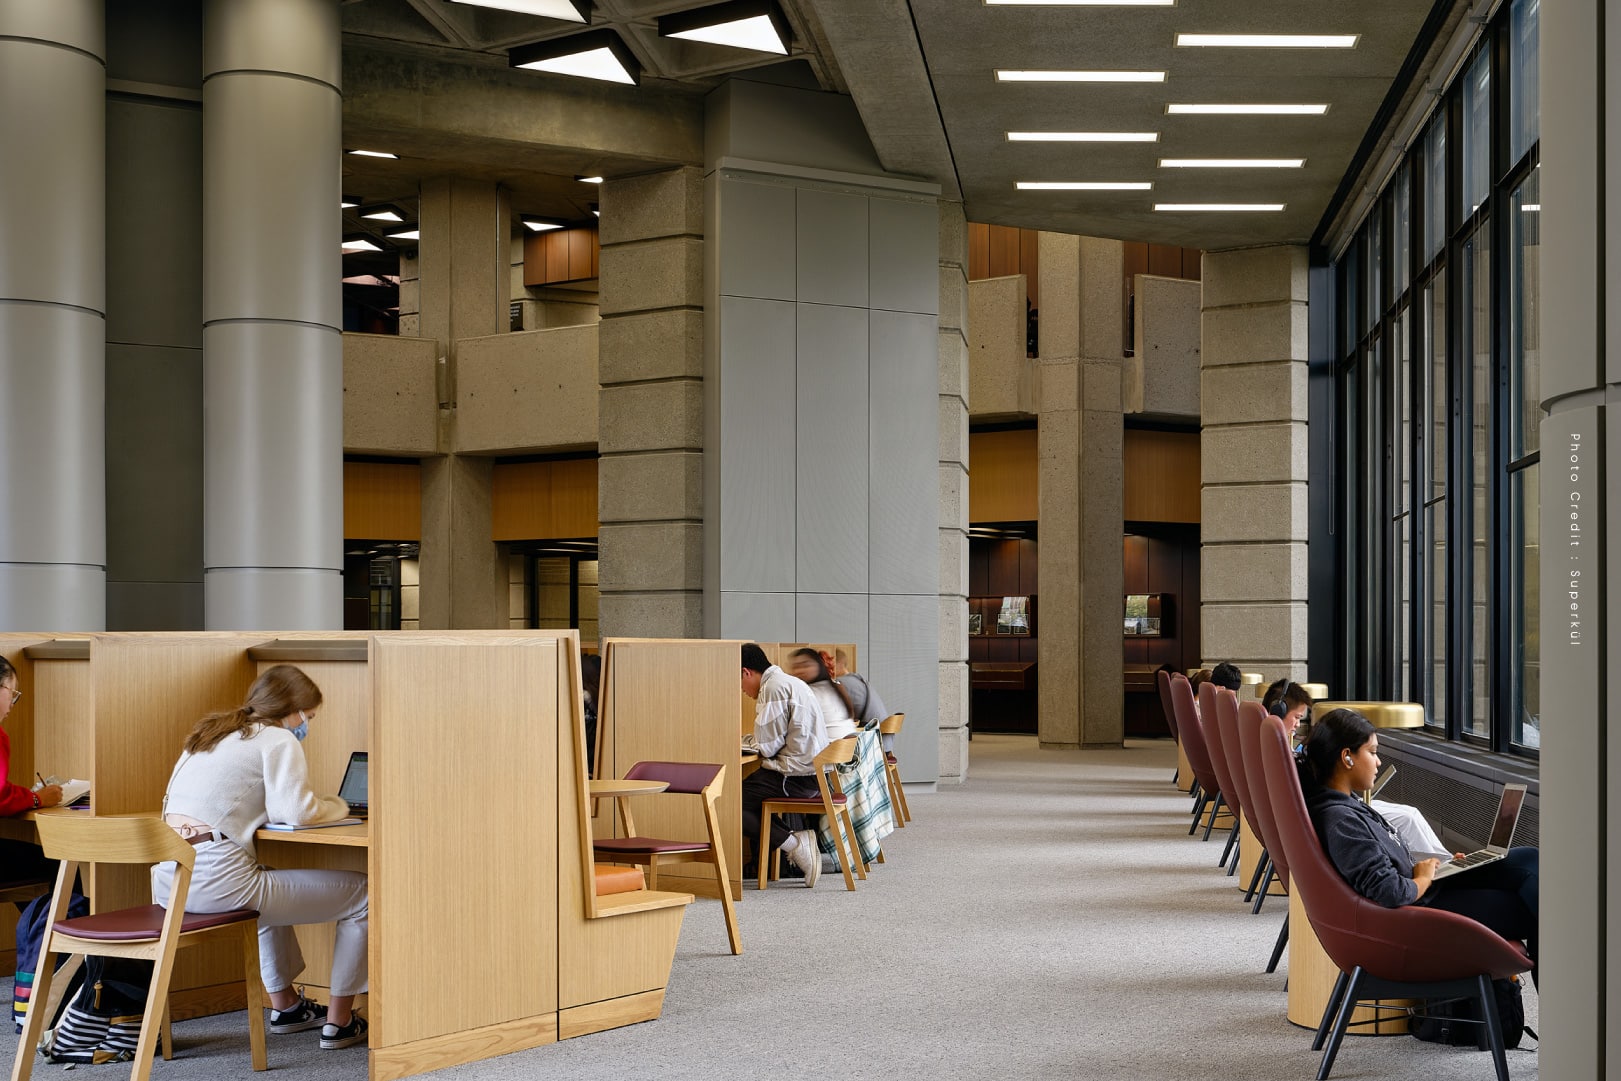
x=225, y=878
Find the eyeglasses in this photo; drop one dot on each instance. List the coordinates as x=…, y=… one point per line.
x=16, y=696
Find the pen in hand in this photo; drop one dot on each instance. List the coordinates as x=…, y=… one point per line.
x=41, y=779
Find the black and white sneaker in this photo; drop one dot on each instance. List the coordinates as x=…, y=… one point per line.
x=305, y=1015
x=336, y=1036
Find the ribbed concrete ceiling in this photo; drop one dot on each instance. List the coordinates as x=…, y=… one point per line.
x=923, y=75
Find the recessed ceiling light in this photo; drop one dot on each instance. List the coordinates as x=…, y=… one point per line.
x=413, y=232
x=1248, y=110
x=589, y=179
x=1231, y=163
x=383, y=212
x=371, y=154
x=347, y=201
x=1083, y=136
x=537, y=224
x=595, y=54
x=740, y=24
x=360, y=242
x=596, y=212
x=574, y=11
x=1176, y=207
x=1023, y=76
x=1083, y=185
x=1268, y=41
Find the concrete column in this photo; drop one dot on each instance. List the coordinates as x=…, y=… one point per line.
x=1580, y=540
x=464, y=271
x=1079, y=437
x=272, y=348
x=53, y=537
x=651, y=410
x=1253, y=460
x=953, y=494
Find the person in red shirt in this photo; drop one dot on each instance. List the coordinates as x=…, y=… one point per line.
x=19, y=862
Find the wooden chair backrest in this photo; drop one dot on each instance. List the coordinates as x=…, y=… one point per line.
x=891, y=725
x=84, y=838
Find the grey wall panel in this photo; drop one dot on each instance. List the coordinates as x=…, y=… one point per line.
x=832, y=247
x=258, y=599
x=755, y=235
x=273, y=490
x=155, y=252
x=155, y=606
x=756, y=464
x=757, y=617
x=834, y=617
x=270, y=144
x=903, y=666
x=154, y=466
x=831, y=555
x=905, y=419
x=52, y=171
x=52, y=492
x=52, y=597
x=905, y=256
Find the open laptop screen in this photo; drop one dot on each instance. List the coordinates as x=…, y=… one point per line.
x=1508, y=816
x=353, y=789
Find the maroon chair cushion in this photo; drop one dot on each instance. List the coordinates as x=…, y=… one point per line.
x=688, y=778
x=646, y=846
x=805, y=801
x=1250, y=717
x=145, y=922
x=1411, y=944
x=1193, y=743
x=1163, y=678
x=1211, y=731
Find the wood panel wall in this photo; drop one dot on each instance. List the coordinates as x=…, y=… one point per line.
x=554, y=500
x=1164, y=260
x=1002, y=476
x=997, y=569
x=1162, y=559
x=561, y=255
x=1161, y=476
x=997, y=251
x=382, y=501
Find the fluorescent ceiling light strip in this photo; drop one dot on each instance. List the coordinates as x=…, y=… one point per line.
x=1231, y=163
x=589, y=179
x=373, y=154
x=758, y=33
x=1083, y=185
x=1083, y=136
x=1202, y=207
x=1530, y=208
x=408, y=234
x=1015, y=75
x=1267, y=41
x=1258, y=109
x=1080, y=3
x=550, y=9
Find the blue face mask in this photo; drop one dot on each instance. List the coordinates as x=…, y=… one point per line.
x=303, y=728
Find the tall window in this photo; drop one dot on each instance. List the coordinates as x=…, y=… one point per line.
x=1438, y=376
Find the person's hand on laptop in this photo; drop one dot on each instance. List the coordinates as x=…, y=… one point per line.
x=1424, y=874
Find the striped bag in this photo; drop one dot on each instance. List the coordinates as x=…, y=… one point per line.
x=103, y=1024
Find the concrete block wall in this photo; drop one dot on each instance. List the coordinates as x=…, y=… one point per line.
x=1162, y=375
x=1253, y=460
x=1002, y=378
x=955, y=336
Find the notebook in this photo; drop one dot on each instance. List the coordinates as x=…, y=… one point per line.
x=353, y=790
x=1508, y=816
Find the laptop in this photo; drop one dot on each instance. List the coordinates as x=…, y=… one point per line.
x=353, y=789
x=1508, y=816
x=1379, y=783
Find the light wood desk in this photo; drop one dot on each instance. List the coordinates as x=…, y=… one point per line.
x=356, y=836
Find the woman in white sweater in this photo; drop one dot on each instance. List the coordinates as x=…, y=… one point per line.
x=806, y=664
x=240, y=769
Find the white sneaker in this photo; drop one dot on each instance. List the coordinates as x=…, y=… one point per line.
x=806, y=857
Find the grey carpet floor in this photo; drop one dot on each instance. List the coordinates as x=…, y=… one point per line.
x=1049, y=919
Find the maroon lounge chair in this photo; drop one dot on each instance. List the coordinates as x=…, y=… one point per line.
x=1187, y=722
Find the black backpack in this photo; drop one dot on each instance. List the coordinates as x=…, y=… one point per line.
x=103, y=1023
x=1457, y=1021
x=30, y=934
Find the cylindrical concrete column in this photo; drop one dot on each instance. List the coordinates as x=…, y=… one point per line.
x=272, y=345
x=53, y=520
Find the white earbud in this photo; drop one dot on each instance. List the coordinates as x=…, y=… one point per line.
x=1347, y=760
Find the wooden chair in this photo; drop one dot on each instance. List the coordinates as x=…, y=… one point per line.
x=149, y=932
x=830, y=802
x=891, y=726
x=685, y=778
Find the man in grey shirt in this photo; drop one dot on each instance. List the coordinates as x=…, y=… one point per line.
x=789, y=732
